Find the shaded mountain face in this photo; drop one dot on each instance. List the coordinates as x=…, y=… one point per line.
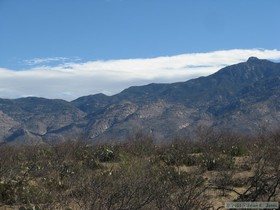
x=34, y=119
x=240, y=98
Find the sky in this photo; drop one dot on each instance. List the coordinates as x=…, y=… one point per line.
x=71, y=48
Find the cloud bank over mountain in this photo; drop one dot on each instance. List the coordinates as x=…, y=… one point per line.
x=72, y=78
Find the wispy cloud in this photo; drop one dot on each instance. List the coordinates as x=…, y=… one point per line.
x=40, y=61
x=70, y=80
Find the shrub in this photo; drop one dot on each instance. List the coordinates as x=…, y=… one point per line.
x=106, y=153
x=237, y=150
x=216, y=162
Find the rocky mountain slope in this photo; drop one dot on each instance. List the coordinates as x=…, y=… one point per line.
x=241, y=98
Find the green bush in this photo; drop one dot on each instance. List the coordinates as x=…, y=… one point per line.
x=106, y=153
x=216, y=162
x=237, y=150
x=176, y=155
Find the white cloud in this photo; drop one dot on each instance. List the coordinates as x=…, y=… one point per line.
x=71, y=80
x=40, y=61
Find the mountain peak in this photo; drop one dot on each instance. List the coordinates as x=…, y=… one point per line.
x=253, y=59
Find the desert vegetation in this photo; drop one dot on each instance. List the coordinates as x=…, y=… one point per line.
x=199, y=173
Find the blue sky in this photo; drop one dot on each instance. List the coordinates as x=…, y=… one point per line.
x=54, y=38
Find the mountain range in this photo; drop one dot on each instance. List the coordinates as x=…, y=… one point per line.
x=240, y=98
